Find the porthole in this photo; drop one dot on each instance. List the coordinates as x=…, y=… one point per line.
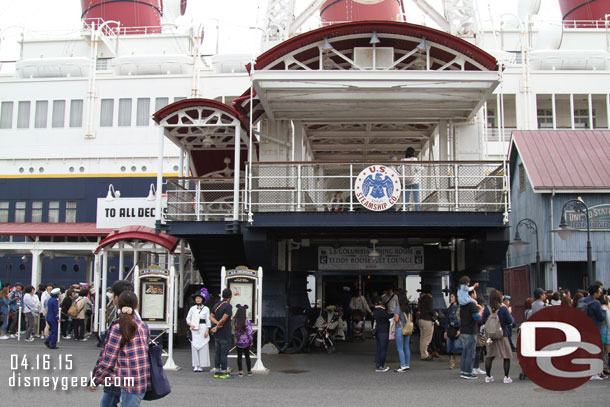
x=144, y=168
x=175, y=168
x=123, y=169
x=41, y=169
x=112, y=269
x=21, y=169
x=63, y=267
x=82, y=169
x=133, y=168
x=71, y=169
x=31, y=169
x=76, y=268
x=22, y=267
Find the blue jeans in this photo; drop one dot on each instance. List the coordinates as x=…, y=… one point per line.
x=111, y=396
x=4, y=323
x=469, y=344
x=221, y=353
x=131, y=399
x=404, y=350
x=382, y=339
x=414, y=188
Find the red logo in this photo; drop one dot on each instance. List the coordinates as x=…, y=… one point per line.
x=559, y=348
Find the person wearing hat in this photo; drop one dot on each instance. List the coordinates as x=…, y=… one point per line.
x=198, y=320
x=52, y=318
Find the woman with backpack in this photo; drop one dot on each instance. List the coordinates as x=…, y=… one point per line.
x=243, y=337
x=124, y=357
x=403, y=325
x=497, y=321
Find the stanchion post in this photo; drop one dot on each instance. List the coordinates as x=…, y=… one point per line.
x=169, y=363
x=259, y=367
x=19, y=324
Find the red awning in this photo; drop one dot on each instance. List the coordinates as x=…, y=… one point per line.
x=52, y=229
x=142, y=233
x=197, y=102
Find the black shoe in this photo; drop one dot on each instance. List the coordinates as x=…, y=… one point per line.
x=56, y=347
x=47, y=345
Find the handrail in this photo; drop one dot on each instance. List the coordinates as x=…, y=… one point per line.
x=490, y=162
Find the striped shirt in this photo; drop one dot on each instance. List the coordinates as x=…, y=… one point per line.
x=128, y=362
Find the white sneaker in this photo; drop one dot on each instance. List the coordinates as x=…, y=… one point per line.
x=507, y=380
x=382, y=369
x=29, y=339
x=12, y=336
x=596, y=377
x=489, y=379
x=478, y=371
x=3, y=337
x=402, y=369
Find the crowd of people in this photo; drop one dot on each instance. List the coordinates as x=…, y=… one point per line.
x=44, y=310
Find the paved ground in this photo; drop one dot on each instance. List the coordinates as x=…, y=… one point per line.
x=344, y=378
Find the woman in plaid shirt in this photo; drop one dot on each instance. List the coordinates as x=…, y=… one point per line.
x=124, y=359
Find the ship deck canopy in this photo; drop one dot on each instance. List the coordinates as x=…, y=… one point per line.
x=376, y=79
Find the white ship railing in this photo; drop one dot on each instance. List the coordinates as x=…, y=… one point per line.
x=457, y=186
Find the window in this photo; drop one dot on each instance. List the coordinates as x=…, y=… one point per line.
x=70, y=212
x=20, y=212
x=143, y=113
x=106, y=113
x=37, y=211
x=491, y=118
x=124, y=112
x=4, y=211
x=521, y=178
x=6, y=115
x=545, y=118
x=59, y=113
x=23, y=115
x=101, y=64
x=581, y=118
x=40, y=118
x=53, y=211
x=179, y=98
x=160, y=103
x=76, y=113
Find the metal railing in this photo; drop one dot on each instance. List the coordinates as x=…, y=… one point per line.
x=426, y=186
x=465, y=186
x=201, y=199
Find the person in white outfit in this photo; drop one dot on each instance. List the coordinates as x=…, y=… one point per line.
x=198, y=320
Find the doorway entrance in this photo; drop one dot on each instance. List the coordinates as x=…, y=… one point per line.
x=338, y=288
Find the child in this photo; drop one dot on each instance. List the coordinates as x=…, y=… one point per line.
x=243, y=335
x=462, y=294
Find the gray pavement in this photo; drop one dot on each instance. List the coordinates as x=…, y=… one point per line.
x=316, y=379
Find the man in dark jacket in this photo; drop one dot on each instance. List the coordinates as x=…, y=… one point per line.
x=593, y=308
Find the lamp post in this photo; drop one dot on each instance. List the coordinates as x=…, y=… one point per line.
x=578, y=206
x=517, y=243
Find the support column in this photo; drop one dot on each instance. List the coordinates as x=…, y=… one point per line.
x=236, y=173
x=96, y=284
x=159, y=175
x=121, y=261
x=443, y=139
x=103, y=290
x=89, y=272
x=181, y=275
x=435, y=280
x=36, y=267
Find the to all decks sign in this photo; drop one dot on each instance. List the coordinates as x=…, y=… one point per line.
x=599, y=218
x=126, y=212
x=357, y=258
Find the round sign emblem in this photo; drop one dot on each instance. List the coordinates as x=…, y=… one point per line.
x=559, y=348
x=377, y=187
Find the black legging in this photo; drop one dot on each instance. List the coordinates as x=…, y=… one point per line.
x=488, y=366
x=246, y=352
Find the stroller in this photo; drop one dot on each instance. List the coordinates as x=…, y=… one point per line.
x=321, y=336
x=358, y=325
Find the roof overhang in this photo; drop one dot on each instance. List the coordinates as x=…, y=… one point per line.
x=379, y=96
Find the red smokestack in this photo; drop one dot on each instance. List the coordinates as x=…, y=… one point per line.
x=131, y=14
x=575, y=10
x=340, y=11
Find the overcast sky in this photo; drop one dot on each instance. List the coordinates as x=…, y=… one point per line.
x=235, y=18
